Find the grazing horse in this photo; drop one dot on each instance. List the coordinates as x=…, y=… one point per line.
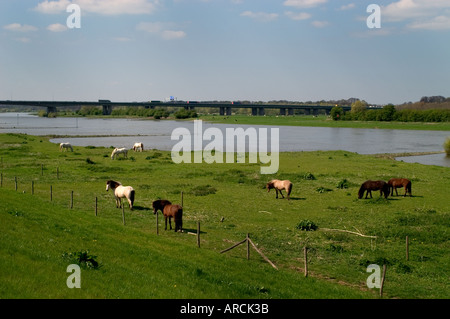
x=118, y=151
x=169, y=211
x=66, y=146
x=120, y=192
x=280, y=185
x=138, y=146
x=395, y=183
x=369, y=186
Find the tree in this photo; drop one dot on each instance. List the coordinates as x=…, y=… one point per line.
x=337, y=113
x=358, y=106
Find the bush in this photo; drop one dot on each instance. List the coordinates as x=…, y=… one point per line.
x=447, y=146
x=336, y=113
x=343, y=184
x=83, y=259
x=307, y=225
x=185, y=114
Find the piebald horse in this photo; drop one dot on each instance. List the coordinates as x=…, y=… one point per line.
x=118, y=151
x=169, y=211
x=65, y=146
x=138, y=146
x=121, y=192
x=280, y=185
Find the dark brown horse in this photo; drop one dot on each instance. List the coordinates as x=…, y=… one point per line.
x=280, y=185
x=395, y=183
x=369, y=186
x=169, y=211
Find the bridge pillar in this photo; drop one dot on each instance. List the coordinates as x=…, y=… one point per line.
x=107, y=110
x=228, y=110
x=290, y=111
x=221, y=110
x=254, y=111
x=261, y=111
x=51, y=109
x=282, y=111
x=315, y=112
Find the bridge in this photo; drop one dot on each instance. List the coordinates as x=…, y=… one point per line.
x=224, y=108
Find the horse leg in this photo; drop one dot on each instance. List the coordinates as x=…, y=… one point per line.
x=170, y=222
x=281, y=194
x=165, y=219
x=276, y=191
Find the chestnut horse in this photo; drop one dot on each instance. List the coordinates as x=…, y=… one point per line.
x=280, y=185
x=120, y=192
x=395, y=183
x=369, y=186
x=169, y=211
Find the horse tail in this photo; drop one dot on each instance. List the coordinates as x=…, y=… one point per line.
x=289, y=189
x=132, y=194
x=408, y=187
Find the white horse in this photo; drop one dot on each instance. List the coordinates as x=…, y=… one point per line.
x=118, y=151
x=66, y=146
x=121, y=192
x=138, y=146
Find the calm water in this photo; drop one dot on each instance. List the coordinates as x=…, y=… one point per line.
x=156, y=134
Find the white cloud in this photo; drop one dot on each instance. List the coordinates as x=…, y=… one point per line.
x=57, y=27
x=437, y=23
x=298, y=15
x=52, y=7
x=20, y=28
x=170, y=34
x=303, y=3
x=320, y=24
x=411, y=9
x=347, y=6
x=160, y=29
x=104, y=7
x=260, y=16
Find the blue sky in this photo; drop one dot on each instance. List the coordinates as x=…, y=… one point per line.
x=258, y=50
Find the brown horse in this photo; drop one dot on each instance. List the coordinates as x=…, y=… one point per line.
x=169, y=211
x=280, y=185
x=395, y=183
x=369, y=186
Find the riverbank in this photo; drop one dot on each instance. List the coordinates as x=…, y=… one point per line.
x=322, y=121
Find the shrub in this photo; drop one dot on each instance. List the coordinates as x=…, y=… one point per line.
x=447, y=146
x=336, y=113
x=343, y=184
x=82, y=258
x=306, y=225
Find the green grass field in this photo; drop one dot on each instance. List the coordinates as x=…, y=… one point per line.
x=229, y=201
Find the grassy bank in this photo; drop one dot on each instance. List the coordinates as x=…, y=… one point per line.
x=323, y=121
x=229, y=201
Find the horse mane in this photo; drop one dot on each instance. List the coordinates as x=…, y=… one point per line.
x=113, y=184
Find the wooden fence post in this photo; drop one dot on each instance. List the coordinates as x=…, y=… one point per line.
x=51, y=193
x=198, y=234
x=181, y=199
x=32, y=187
x=15, y=183
x=248, y=247
x=71, y=200
x=382, y=281
x=305, y=256
x=407, y=248
x=96, y=204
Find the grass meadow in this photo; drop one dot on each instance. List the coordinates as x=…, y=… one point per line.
x=39, y=233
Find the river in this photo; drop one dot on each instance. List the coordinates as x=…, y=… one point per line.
x=156, y=134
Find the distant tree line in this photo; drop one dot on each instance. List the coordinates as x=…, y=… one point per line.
x=388, y=113
x=138, y=111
